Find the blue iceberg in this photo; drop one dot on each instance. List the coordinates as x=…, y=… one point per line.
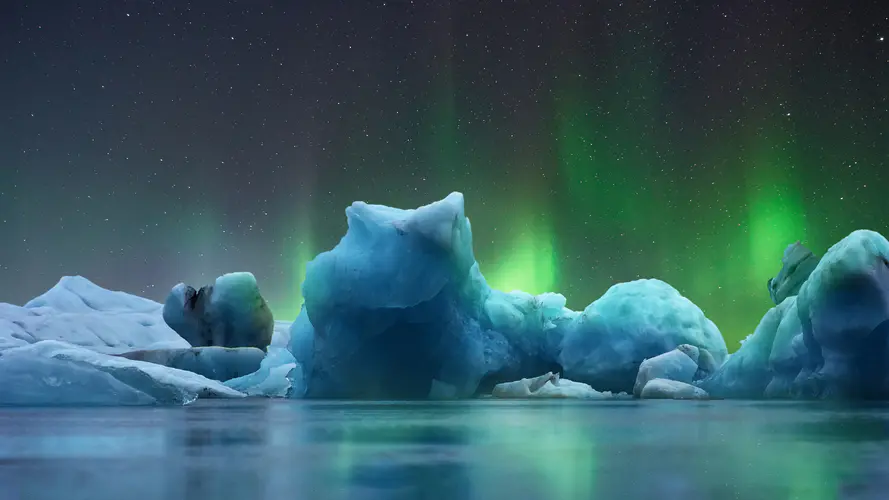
x=57, y=373
x=399, y=309
x=216, y=363
x=831, y=341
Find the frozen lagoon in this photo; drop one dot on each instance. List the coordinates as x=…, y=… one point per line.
x=476, y=449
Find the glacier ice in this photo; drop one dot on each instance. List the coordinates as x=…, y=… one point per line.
x=548, y=386
x=844, y=311
x=216, y=363
x=831, y=341
x=32, y=380
x=607, y=343
x=680, y=365
x=798, y=263
x=661, y=388
x=62, y=347
x=53, y=372
x=399, y=309
x=279, y=375
x=230, y=313
x=80, y=312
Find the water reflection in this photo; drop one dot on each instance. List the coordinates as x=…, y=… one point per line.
x=219, y=456
x=461, y=450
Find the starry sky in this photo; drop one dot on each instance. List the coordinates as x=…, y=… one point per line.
x=144, y=143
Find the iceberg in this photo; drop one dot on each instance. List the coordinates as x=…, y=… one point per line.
x=399, y=309
x=82, y=313
x=230, y=313
x=844, y=311
x=279, y=375
x=32, y=380
x=634, y=321
x=831, y=341
x=50, y=372
x=216, y=363
x=680, y=365
x=661, y=388
x=798, y=263
x=547, y=386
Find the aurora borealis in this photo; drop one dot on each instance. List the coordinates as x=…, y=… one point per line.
x=148, y=143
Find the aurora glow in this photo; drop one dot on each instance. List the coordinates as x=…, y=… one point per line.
x=148, y=143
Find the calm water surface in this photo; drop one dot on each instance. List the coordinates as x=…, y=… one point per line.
x=265, y=449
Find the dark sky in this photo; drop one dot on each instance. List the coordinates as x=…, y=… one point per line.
x=143, y=143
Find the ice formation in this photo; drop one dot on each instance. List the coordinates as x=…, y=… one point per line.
x=278, y=375
x=633, y=321
x=79, y=312
x=680, y=365
x=829, y=342
x=798, y=263
x=399, y=309
x=50, y=372
x=230, y=313
x=661, y=388
x=548, y=386
x=67, y=346
x=217, y=363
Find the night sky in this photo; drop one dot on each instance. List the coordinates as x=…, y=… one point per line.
x=143, y=143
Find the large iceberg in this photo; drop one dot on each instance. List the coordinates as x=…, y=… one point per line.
x=829, y=342
x=399, y=309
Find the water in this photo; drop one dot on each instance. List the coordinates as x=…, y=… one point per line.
x=267, y=449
